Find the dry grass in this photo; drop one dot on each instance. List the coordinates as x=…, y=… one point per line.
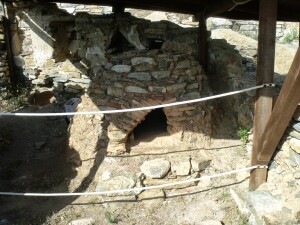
x=283, y=56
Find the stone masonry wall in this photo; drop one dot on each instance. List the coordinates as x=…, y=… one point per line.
x=248, y=28
x=62, y=53
x=136, y=80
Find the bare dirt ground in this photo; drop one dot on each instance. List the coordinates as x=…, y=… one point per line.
x=33, y=159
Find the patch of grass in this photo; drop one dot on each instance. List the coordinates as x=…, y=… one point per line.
x=225, y=194
x=111, y=218
x=291, y=36
x=243, y=220
x=244, y=134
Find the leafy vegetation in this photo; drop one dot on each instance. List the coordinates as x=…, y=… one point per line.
x=111, y=218
x=291, y=36
x=244, y=133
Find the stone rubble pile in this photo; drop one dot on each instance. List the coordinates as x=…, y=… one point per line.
x=153, y=172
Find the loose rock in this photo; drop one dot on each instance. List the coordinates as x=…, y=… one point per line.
x=295, y=145
x=200, y=165
x=117, y=183
x=182, y=168
x=121, y=68
x=85, y=221
x=155, y=196
x=156, y=168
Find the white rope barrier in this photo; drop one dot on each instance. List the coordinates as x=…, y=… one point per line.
x=132, y=189
x=140, y=108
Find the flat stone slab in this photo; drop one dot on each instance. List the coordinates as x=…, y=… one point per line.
x=200, y=164
x=140, y=60
x=295, y=145
x=84, y=221
x=155, y=196
x=140, y=76
x=160, y=75
x=182, y=168
x=134, y=89
x=121, y=68
x=116, y=183
x=263, y=202
x=156, y=168
x=296, y=127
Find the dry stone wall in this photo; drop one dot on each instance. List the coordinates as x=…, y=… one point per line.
x=248, y=28
x=136, y=80
x=63, y=52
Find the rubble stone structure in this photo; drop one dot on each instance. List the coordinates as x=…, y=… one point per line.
x=117, y=61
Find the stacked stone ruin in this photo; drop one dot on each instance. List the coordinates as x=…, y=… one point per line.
x=112, y=62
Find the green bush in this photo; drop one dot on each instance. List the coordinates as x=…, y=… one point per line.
x=291, y=36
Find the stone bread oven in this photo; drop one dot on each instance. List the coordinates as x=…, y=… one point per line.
x=113, y=62
x=151, y=78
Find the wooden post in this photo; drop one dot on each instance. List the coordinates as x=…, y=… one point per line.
x=265, y=74
x=202, y=41
x=284, y=109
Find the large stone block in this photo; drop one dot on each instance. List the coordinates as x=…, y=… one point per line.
x=156, y=168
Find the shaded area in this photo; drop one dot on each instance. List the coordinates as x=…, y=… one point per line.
x=119, y=44
x=34, y=158
x=155, y=123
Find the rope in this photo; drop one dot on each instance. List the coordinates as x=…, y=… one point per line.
x=238, y=3
x=132, y=189
x=140, y=108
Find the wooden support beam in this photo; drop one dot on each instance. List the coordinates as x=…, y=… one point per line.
x=265, y=74
x=284, y=109
x=202, y=42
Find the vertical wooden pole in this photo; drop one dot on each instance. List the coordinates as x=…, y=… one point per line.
x=265, y=74
x=202, y=41
x=299, y=35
